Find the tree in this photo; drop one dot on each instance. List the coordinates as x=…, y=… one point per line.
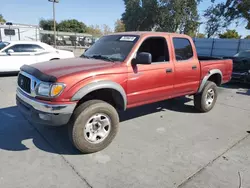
x=119, y=26
x=237, y=9
x=247, y=37
x=230, y=34
x=106, y=30
x=215, y=20
x=2, y=19
x=72, y=26
x=47, y=24
x=224, y=14
x=161, y=15
x=140, y=14
x=132, y=8
x=178, y=15
x=94, y=30
x=200, y=35
x=65, y=25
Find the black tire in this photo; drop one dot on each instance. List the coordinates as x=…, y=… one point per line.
x=79, y=119
x=200, y=99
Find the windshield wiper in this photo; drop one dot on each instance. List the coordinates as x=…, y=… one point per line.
x=102, y=58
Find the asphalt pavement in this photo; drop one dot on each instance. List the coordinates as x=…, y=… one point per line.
x=162, y=145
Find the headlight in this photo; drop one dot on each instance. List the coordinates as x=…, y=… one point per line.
x=50, y=90
x=249, y=71
x=43, y=89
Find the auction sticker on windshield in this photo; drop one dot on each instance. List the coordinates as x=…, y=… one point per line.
x=127, y=38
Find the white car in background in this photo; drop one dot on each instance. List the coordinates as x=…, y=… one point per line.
x=14, y=54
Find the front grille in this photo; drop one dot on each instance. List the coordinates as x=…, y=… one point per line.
x=24, y=83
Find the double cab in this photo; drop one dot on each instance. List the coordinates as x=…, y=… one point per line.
x=118, y=72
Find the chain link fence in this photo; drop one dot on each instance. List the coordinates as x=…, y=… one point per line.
x=76, y=42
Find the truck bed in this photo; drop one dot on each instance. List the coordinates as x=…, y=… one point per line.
x=224, y=65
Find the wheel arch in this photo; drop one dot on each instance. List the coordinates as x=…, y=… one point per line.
x=214, y=75
x=108, y=91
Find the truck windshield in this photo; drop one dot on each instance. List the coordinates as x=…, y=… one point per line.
x=3, y=45
x=112, y=47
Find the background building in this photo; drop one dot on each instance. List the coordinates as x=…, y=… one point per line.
x=15, y=31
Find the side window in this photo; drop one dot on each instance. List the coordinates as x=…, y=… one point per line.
x=157, y=47
x=15, y=48
x=183, y=49
x=19, y=48
x=36, y=48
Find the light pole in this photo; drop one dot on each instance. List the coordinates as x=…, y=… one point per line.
x=54, y=18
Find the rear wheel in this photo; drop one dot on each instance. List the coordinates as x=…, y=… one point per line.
x=94, y=125
x=205, y=101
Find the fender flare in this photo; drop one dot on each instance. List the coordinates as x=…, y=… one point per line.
x=205, y=79
x=100, y=85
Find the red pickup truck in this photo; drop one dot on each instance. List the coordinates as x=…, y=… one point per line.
x=120, y=71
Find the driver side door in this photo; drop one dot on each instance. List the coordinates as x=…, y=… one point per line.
x=152, y=82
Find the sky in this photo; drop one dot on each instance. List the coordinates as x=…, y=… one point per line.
x=91, y=12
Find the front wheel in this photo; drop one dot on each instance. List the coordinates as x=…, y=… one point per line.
x=205, y=101
x=94, y=125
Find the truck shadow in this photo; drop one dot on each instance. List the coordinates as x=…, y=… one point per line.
x=177, y=105
x=236, y=85
x=241, y=88
x=9, y=74
x=16, y=134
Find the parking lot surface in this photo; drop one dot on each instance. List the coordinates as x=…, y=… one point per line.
x=166, y=144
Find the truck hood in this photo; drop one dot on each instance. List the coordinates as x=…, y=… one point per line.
x=64, y=67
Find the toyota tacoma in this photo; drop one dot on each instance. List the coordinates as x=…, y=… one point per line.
x=118, y=72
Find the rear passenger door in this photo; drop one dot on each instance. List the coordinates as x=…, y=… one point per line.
x=187, y=67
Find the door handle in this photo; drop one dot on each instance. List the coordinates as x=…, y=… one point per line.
x=169, y=70
x=194, y=67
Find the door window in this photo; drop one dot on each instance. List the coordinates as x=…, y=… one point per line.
x=183, y=49
x=157, y=47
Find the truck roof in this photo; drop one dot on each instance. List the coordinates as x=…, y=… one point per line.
x=148, y=33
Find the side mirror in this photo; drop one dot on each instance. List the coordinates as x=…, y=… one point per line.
x=10, y=51
x=143, y=58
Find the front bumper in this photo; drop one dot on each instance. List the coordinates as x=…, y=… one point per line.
x=42, y=112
